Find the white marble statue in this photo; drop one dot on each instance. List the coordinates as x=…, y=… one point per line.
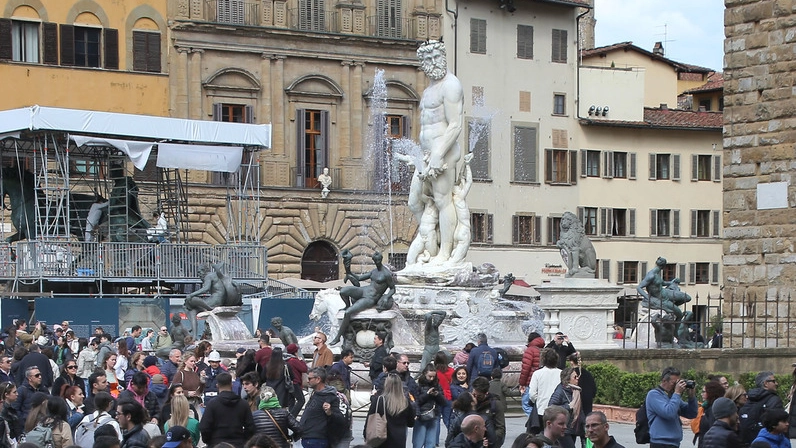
x=435, y=196
x=326, y=181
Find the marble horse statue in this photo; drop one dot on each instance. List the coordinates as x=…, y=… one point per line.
x=20, y=187
x=327, y=302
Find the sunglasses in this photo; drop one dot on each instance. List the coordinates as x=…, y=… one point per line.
x=406, y=363
x=71, y=367
x=38, y=375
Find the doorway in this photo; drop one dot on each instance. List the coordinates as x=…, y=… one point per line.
x=320, y=262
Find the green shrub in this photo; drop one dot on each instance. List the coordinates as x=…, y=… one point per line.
x=606, y=376
x=634, y=388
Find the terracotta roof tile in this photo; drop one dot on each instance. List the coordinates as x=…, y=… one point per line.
x=657, y=118
x=715, y=82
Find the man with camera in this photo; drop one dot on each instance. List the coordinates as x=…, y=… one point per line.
x=563, y=347
x=665, y=407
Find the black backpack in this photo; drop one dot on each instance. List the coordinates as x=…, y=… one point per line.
x=503, y=358
x=642, y=429
x=749, y=420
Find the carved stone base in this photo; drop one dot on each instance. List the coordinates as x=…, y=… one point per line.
x=225, y=325
x=461, y=274
x=365, y=325
x=583, y=309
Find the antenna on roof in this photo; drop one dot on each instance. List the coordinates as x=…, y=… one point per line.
x=660, y=45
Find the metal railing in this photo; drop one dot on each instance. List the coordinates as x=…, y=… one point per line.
x=166, y=261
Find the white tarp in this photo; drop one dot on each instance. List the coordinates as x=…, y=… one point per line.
x=137, y=126
x=200, y=157
x=138, y=152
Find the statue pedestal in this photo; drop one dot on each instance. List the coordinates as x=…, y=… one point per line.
x=582, y=309
x=365, y=324
x=225, y=325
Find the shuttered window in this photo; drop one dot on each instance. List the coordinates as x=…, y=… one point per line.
x=525, y=154
x=111, y=48
x=478, y=138
x=478, y=36
x=83, y=46
x=146, y=51
x=559, y=46
x=526, y=229
x=481, y=227
x=524, y=42
x=312, y=15
x=50, y=38
x=388, y=16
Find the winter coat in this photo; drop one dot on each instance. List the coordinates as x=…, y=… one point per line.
x=104, y=349
x=85, y=362
x=531, y=360
x=66, y=380
x=23, y=404
x=227, y=418
x=490, y=410
x=562, y=396
x=456, y=425
x=263, y=424
x=297, y=368
x=9, y=415
x=135, y=438
x=150, y=401
x=168, y=369
x=38, y=360
x=776, y=441
x=396, y=424
x=720, y=435
x=315, y=424
x=425, y=401
x=475, y=357
x=461, y=441
x=376, y=365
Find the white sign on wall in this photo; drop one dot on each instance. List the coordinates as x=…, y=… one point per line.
x=772, y=195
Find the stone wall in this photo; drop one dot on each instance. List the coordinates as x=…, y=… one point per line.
x=759, y=137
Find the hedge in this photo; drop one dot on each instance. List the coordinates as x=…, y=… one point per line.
x=617, y=388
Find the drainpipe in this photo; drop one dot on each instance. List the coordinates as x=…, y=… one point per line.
x=455, y=14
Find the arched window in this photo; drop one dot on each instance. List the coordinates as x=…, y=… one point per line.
x=320, y=262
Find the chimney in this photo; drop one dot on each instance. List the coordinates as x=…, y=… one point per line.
x=658, y=49
x=664, y=106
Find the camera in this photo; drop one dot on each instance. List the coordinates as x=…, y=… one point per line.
x=690, y=384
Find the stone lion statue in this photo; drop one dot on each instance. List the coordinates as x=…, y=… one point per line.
x=576, y=248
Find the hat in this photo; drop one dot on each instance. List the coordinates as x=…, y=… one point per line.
x=214, y=356
x=723, y=408
x=292, y=349
x=266, y=392
x=240, y=350
x=57, y=327
x=175, y=435
x=42, y=340
x=150, y=361
x=157, y=379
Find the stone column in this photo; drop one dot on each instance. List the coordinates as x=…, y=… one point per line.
x=195, y=86
x=344, y=122
x=180, y=77
x=278, y=140
x=357, y=109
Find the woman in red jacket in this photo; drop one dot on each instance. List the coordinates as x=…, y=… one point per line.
x=530, y=359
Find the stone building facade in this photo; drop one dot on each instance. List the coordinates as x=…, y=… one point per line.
x=759, y=138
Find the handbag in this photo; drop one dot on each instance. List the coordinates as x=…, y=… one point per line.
x=428, y=415
x=284, y=436
x=376, y=426
x=534, y=423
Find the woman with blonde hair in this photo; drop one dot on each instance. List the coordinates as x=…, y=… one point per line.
x=181, y=416
x=400, y=413
x=737, y=394
x=187, y=376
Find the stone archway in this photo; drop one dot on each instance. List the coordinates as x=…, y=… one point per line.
x=320, y=262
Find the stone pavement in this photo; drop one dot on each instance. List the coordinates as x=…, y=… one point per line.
x=515, y=424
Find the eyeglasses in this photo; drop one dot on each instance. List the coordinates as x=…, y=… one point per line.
x=772, y=381
x=71, y=367
x=38, y=375
x=406, y=363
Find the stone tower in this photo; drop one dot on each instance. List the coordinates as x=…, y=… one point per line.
x=759, y=169
x=586, y=28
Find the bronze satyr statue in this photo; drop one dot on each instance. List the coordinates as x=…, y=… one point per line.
x=369, y=296
x=660, y=294
x=222, y=292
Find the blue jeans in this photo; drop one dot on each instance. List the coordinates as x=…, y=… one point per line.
x=445, y=414
x=315, y=443
x=424, y=434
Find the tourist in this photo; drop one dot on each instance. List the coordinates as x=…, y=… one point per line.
x=322, y=356
x=5, y=369
x=712, y=390
x=563, y=348
x=34, y=358
x=181, y=415
x=22, y=334
x=177, y=437
x=472, y=435
x=722, y=433
x=27, y=391
x=8, y=414
x=322, y=415
x=482, y=359
x=189, y=380
x=343, y=369
x=665, y=407
x=460, y=359
x=38, y=411
x=298, y=368
x=588, y=387
x=444, y=376
x=163, y=341
x=67, y=378
x=597, y=431
x=463, y=406
x=171, y=365
x=554, y=422
x=775, y=429
x=208, y=377
x=138, y=390
x=62, y=352
x=717, y=341
x=87, y=358
x=277, y=376
x=399, y=411
x=151, y=366
x=202, y=350
x=544, y=381
x=148, y=342
x=721, y=379
x=497, y=388
x=271, y=419
x=531, y=359
x=460, y=382
x=526, y=440
x=764, y=397
x=114, y=383
x=264, y=353
x=568, y=395
x=131, y=415
x=379, y=354
x=10, y=341
x=74, y=403
x=131, y=341
x=136, y=365
x=429, y=402
x=175, y=390
x=491, y=411
x=737, y=394
x=104, y=349
x=226, y=418
x=56, y=420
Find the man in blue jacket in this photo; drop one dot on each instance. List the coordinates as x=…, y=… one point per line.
x=482, y=360
x=664, y=409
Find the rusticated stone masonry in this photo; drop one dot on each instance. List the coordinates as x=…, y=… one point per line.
x=759, y=138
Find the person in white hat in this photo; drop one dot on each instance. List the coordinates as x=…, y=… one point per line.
x=208, y=376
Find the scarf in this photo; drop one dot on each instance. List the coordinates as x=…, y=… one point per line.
x=138, y=398
x=575, y=405
x=271, y=403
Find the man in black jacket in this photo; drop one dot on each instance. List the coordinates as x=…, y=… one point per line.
x=722, y=434
x=322, y=414
x=27, y=390
x=472, y=435
x=227, y=418
x=130, y=416
x=35, y=358
x=378, y=356
x=761, y=399
x=597, y=431
x=563, y=347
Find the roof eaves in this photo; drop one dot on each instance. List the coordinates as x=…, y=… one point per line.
x=644, y=125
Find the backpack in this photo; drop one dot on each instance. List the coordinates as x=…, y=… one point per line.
x=485, y=364
x=41, y=436
x=337, y=433
x=749, y=420
x=84, y=432
x=503, y=358
x=642, y=429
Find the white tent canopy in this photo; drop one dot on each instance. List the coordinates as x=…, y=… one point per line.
x=144, y=127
